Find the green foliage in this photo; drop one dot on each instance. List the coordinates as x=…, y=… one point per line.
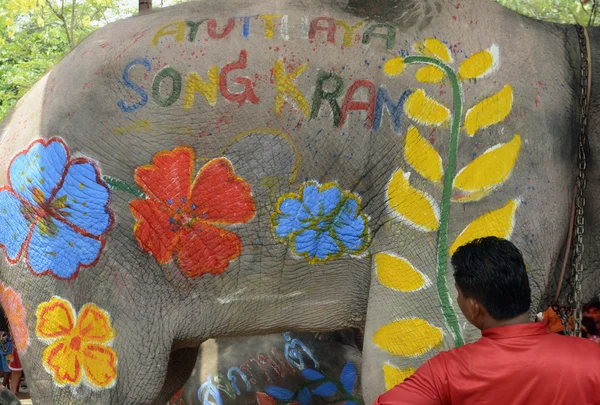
x=557, y=11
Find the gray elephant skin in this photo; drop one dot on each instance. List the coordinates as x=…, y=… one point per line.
x=222, y=169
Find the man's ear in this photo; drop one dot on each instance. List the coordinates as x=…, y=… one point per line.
x=476, y=311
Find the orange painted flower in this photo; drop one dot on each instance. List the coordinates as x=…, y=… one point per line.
x=79, y=346
x=185, y=216
x=15, y=312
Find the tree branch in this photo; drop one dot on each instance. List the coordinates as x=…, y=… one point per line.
x=72, y=24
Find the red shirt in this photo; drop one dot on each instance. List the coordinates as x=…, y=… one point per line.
x=510, y=365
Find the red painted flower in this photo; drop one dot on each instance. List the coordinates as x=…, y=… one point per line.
x=184, y=215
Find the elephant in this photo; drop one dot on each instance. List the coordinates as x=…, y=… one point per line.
x=261, y=369
x=225, y=169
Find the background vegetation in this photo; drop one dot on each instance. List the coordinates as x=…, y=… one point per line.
x=35, y=34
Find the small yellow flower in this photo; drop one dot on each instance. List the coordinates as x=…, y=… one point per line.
x=79, y=346
x=9, y=22
x=394, y=66
x=85, y=21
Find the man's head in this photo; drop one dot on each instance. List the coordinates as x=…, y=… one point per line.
x=492, y=282
x=593, y=311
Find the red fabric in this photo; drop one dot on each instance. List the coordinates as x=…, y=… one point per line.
x=516, y=365
x=15, y=363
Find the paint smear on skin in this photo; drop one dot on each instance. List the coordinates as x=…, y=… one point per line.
x=394, y=66
x=394, y=375
x=479, y=64
x=434, y=48
x=304, y=27
x=133, y=128
x=414, y=207
x=429, y=74
x=283, y=28
x=408, y=337
x=489, y=111
x=423, y=157
x=425, y=110
x=398, y=273
x=498, y=223
x=490, y=169
x=285, y=85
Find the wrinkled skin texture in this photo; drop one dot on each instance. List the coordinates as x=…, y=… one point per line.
x=159, y=315
x=265, y=361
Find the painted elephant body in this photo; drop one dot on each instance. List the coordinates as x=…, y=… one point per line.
x=225, y=169
x=263, y=369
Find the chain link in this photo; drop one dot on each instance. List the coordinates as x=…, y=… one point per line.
x=576, y=297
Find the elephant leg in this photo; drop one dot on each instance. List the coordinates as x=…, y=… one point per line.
x=180, y=367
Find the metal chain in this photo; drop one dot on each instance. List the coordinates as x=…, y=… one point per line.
x=576, y=297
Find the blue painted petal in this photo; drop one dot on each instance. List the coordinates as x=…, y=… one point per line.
x=319, y=245
x=279, y=393
x=311, y=374
x=86, y=198
x=42, y=167
x=292, y=218
x=310, y=198
x=13, y=225
x=60, y=251
x=349, y=403
x=348, y=377
x=329, y=200
x=349, y=228
x=304, y=396
x=325, y=390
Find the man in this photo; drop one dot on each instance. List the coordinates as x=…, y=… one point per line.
x=516, y=362
x=593, y=311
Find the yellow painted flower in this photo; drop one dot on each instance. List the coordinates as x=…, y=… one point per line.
x=394, y=66
x=79, y=346
x=479, y=64
x=425, y=110
x=429, y=74
x=434, y=48
x=394, y=375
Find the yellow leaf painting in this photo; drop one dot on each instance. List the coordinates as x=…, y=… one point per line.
x=408, y=337
x=479, y=64
x=489, y=111
x=394, y=375
x=498, y=223
x=394, y=66
x=414, y=207
x=425, y=110
x=423, y=157
x=434, y=48
x=489, y=170
x=429, y=74
x=398, y=274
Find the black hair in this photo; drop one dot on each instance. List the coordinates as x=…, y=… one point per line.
x=590, y=325
x=492, y=271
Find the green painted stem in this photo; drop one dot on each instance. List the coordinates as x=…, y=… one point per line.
x=117, y=184
x=442, y=245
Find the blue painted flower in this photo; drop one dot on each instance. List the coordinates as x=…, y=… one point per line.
x=54, y=210
x=321, y=222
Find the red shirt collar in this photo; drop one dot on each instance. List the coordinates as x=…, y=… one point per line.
x=511, y=331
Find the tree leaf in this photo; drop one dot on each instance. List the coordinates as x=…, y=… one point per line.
x=498, y=223
x=408, y=337
x=414, y=207
x=479, y=64
x=423, y=157
x=326, y=389
x=348, y=377
x=434, y=48
x=489, y=111
x=429, y=74
x=394, y=375
x=425, y=110
x=489, y=170
x=398, y=273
